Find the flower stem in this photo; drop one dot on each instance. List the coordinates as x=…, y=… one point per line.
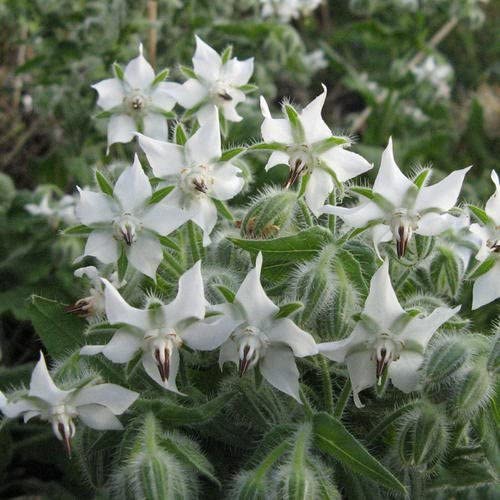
x=332, y=219
x=305, y=212
x=307, y=406
x=343, y=398
x=327, y=384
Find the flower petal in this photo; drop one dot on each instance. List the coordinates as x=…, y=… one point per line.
x=155, y=126
x=390, y=181
x=132, y=188
x=228, y=352
x=99, y=417
x=145, y=254
x=120, y=349
x=228, y=182
x=487, y=287
x=162, y=218
x=189, y=94
x=165, y=158
x=139, y=74
x=121, y=128
x=443, y=194
x=210, y=333
x=318, y=188
x=339, y=349
x=205, y=145
x=161, y=97
x=404, y=372
x=493, y=204
x=95, y=208
x=432, y=224
x=286, y=331
x=381, y=233
x=116, y=398
x=274, y=130
x=152, y=370
x=101, y=245
x=314, y=126
x=206, y=62
x=278, y=367
x=277, y=158
x=203, y=212
x=17, y=408
x=252, y=297
x=237, y=72
x=361, y=372
x=118, y=311
x=345, y=164
x=110, y=93
x=358, y=216
x=42, y=386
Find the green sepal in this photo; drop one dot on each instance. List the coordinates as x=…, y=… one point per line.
x=180, y=134
x=268, y=146
x=228, y=294
x=187, y=72
x=248, y=87
x=288, y=309
x=481, y=215
x=329, y=143
x=294, y=119
x=159, y=194
x=103, y=183
x=483, y=268
x=227, y=53
x=118, y=71
x=162, y=75
x=231, y=153
x=223, y=210
x=79, y=230
x=122, y=264
x=421, y=178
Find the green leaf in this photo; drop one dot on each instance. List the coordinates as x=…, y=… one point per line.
x=104, y=184
x=118, y=71
x=461, y=474
x=223, y=209
x=421, y=178
x=480, y=215
x=169, y=243
x=159, y=194
x=59, y=331
x=288, y=309
x=231, y=153
x=294, y=119
x=188, y=72
x=162, y=75
x=79, y=230
x=334, y=439
x=268, y=146
x=228, y=294
x=248, y=87
x=329, y=143
x=180, y=134
x=227, y=53
x=483, y=268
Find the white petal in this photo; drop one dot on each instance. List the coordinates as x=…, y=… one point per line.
x=189, y=94
x=102, y=245
x=362, y=373
x=17, y=408
x=111, y=93
x=42, y=386
x=338, y=350
x=279, y=369
x=404, y=372
x=205, y=145
x=91, y=272
x=487, y=287
x=138, y=73
x=162, y=218
x=286, y=331
x=318, y=188
x=277, y=158
x=314, y=126
x=190, y=300
x=252, y=297
x=229, y=111
x=116, y=398
x=203, y=212
x=443, y=194
x=482, y=234
x=152, y=370
x=345, y=164
x=165, y=158
x=274, y=130
x=120, y=349
x=432, y=224
x=493, y=204
x=155, y=126
x=237, y=72
x=228, y=352
x=422, y=329
x=145, y=254
x=381, y=233
x=358, y=216
x=121, y=128
x=206, y=62
x=382, y=305
x=161, y=96
x=99, y=417
x=390, y=181
x=210, y=333
x=228, y=182
x=95, y=208
x=132, y=188
x=118, y=311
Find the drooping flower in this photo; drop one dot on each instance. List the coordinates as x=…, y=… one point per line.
x=127, y=220
x=95, y=405
x=487, y=285
x=214, y=82
x=396, y=207
x=136, y=100
x=196, y=169
x=386, y=339
x=261, y=340
x=160, y=330
x=305, y=142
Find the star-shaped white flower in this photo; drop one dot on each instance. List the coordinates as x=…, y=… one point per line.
x=197, y=172
x=136, y=101
x=305, y=142
x=259, y=339
x=386, y=338
x=487, y=286
x=95, y=405
x=160, y=330
x=214, y=82
x=397, y=208
x=126, y=220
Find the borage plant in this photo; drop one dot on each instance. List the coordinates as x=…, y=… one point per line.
x=230, y=337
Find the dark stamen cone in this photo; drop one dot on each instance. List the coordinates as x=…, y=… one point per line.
x=66, y=439
x=381, y=363
x=401, y=242
x=79, y=308
x=127, y=236
x=243, y=365
x=295, y=172
x=225, y=96
x=163, y=367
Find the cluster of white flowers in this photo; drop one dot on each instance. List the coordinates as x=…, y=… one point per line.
x=192, y=176
x=55, y=210
x=435, y=73
x=286, y=10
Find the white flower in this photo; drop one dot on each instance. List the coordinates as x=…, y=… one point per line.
x=55, y=211
x=398, y=208
x=260, y=339
x=307, y=145
x=136, y=102
x=127, y=221
x=487, y=286
x=286, y=10
x=95, y=405
x=386, y=338
x=215, y=83
x=197, y=172
x=437, y=74
x=315, y=61
x=160, y=330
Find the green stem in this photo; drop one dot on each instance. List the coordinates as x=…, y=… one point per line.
x=343, y=398
x=332, y=219
x=307, y=407
x=305, y=212
x=327, y=384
